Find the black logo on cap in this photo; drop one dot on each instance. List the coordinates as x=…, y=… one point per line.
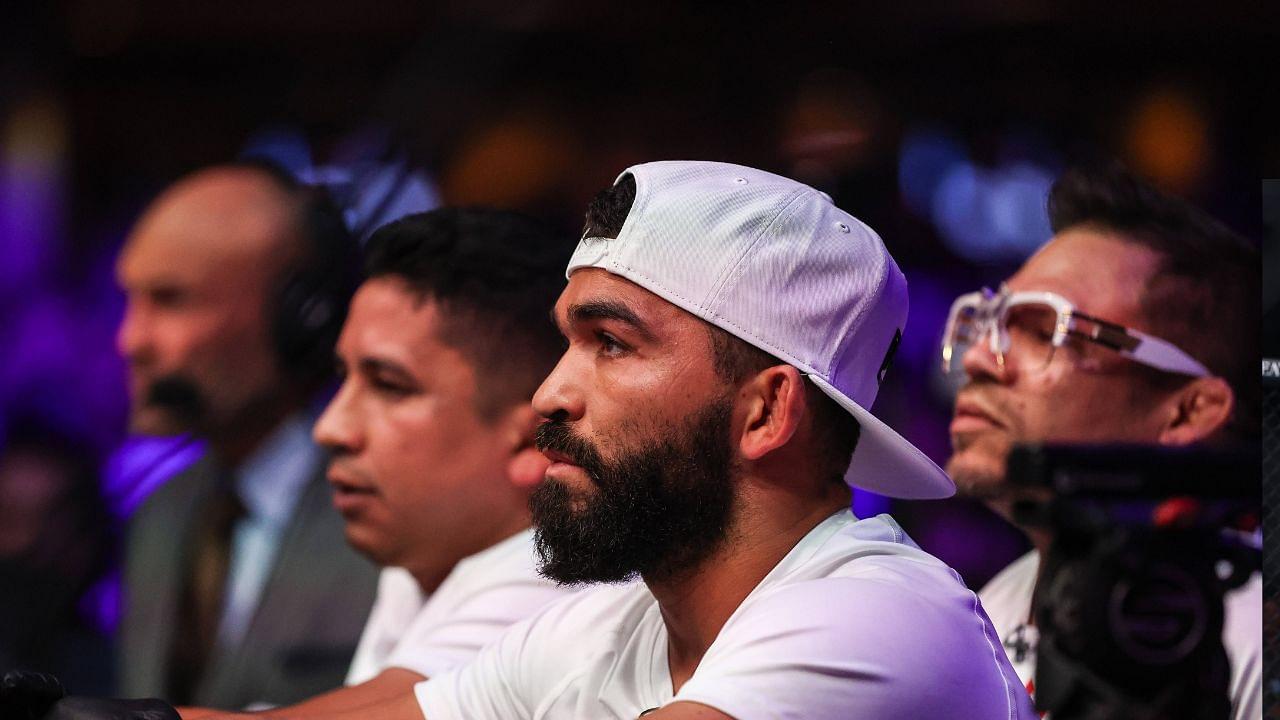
x=888, y=356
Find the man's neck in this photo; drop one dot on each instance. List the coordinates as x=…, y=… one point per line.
x=436, y=566
x=1040, y=537
x=696, y=603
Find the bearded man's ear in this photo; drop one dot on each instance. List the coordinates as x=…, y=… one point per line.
x=772, y=404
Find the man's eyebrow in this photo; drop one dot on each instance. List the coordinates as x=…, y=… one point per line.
x=383, y=366
x=608, y=310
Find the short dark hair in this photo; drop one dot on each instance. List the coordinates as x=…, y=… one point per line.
x=1203, y=297
x=835, y=431
x=495, y=275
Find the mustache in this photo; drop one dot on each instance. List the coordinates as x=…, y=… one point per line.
x=984, y=396
x=557, y=436
x=178, y=394
x=340, y=464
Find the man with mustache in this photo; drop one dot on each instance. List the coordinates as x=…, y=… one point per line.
x=1136, y=323
x=236, y=281
x=726, y=330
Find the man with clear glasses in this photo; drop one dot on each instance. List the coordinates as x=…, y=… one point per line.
x=1030, y=326
x=1137, y=322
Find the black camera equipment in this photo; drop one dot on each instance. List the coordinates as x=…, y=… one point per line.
x=1146, y=541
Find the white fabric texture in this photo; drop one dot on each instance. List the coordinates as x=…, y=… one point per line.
x=1007, y=599
x=855, y=622
x=775, y=263
x=484, y=595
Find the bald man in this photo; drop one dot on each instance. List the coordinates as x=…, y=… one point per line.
x=240, y=588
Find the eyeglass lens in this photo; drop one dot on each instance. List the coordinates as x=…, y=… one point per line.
x=1024, y=333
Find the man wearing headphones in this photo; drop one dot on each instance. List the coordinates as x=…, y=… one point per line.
x=239, y=586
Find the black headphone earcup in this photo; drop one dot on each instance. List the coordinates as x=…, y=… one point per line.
x=310, y=303
x=306, y=321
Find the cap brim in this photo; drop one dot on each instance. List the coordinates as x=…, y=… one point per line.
x=884, y=462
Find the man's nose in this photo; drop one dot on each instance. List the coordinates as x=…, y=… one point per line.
x=560, y=393
x=338, y=428
x=980, y=361
x=133, y=334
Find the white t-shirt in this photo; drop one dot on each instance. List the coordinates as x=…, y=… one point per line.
x=855, y=622
x=1007, y=599
x=484, y=595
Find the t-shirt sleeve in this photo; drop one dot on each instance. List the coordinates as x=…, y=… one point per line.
x=397, y=604
x=857, y=648
x=488, y=688
x=542, y=667
x=452, y=631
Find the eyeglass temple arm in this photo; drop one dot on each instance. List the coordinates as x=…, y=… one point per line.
x=1107, y=333
x=1147, y=349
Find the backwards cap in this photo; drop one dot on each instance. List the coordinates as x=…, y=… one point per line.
x=778, y=265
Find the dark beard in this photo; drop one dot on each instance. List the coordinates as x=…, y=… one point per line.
x=657, y=510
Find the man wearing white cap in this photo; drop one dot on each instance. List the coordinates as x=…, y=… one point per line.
x=727, y=329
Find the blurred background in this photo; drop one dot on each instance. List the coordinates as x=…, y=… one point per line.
x=941, y=125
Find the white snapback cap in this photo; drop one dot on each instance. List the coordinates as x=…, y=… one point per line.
x=777, y=264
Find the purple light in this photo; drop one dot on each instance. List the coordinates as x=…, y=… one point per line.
x=931, y=299
x=959, y=212
x=993, y=215
x=868, y=504
x=142, y=464
x=281, y=144
x=984, y=214
x=1017, y=198
x=30, y=213
x=927, y=157
x=100, y=605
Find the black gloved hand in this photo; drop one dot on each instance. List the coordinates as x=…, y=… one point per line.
x=89, y=708
x=28, y=695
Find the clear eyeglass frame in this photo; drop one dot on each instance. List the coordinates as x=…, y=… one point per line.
x=986, y=314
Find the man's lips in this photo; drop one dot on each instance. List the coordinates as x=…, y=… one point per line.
x=565, y=469
x=970, y=415
x=557, y=458
x=349, y=492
